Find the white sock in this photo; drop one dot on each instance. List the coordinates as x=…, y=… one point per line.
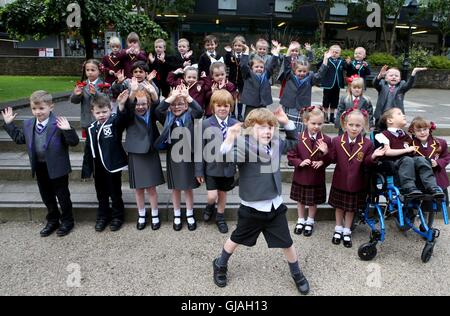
x=339, y=229
x=310, y=221
x=190, y=220
x=155, y=220
x=142, y=213
x=347, y=231
x=177, y=221
x=301, y=221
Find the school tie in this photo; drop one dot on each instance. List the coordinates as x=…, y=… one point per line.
x=268, y=150
x=351, y=146
x=400, y=133
x=212, y=55
x=238, y=56
x=313, y=141
x=391, y=89
x=355, y=103
x=223, y=128
x=179, y=122
x=39, y=128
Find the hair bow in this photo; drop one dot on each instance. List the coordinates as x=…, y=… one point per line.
x=433, y=126
x=351, y=78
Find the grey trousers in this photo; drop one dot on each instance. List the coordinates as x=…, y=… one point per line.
x=411, y=169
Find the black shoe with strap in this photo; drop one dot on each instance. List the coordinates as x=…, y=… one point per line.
x=177, y=227
x=222, y=225
x=307, y=232
x=298, y=230
x=208, y=212
x=337, y=238
x=301, y=282
x=157, y=225
x=347, y=241
x=220, y=274
x=192, y=226
x=141, y=226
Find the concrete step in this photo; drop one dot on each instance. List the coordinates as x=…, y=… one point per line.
x=20, y=201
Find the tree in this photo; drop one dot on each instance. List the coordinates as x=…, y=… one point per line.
x=40, y=18
x=153, y=7
x=322, y=9
x=441, y=11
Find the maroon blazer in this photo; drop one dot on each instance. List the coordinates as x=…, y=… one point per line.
x=197, y=91
x=437, y=150
x=128, y=60
x=306, y=149
x=348, y=175
x=229, y=86
x=111, y=62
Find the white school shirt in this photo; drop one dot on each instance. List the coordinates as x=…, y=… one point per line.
x=383, y=139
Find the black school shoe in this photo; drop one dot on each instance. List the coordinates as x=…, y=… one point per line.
x=177, y=227
x=436, y=192
x=157, y=225
x=298, y=230
x=208, y=212
x=308, y=232
x=141, y=226
x=49, y=228
x=192, y=226
x=116, y=224
x=337, y=237
x=64, y=229
x=347, y=241
x=411, y=192
x=301, y=282
x=220, y=274
x=222, y=225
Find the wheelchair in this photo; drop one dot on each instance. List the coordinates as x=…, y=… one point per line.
x=385, y=201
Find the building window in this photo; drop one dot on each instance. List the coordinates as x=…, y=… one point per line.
x=282, y=5
x=339, y=9
x=227, y=4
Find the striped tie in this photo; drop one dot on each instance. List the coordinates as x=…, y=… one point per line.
x=268, y=150
x=179, y=122
x=39, y=128
x=223, y=128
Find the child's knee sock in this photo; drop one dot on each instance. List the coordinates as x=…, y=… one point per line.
x=294, y=267
x=223, y=259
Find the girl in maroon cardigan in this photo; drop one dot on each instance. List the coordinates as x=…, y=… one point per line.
x=432, y=148
x=351, y=152
x=189, y=77
x=309, y=160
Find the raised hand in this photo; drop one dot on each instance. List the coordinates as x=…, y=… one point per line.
x=246, y=50
x=149, y=87
x=179, y=71
x=184, y=92
x=308, y=47
x=8, y=115
x=417, y=69
x=151, y=58
x=120, y=76
x=122, y=98
x=162, y=57
x=253, y=48
x=203, y=75
x=234, y=131
x=188, y=54
x=78, y=90
x=383, y=71
x=275, y=43
x=134, y=85
x=63, y=123
x=187, y=63
x=152, y=75
x=281, y=116
x=228, y=49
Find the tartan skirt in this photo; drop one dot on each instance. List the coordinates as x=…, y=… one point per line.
x=347, y=201
x=294, y=115
x=309, y=194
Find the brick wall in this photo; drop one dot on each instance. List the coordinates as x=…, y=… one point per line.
x=40, y=66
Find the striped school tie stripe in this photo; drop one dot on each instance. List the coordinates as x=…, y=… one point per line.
x=223, y=128
x=39, y=128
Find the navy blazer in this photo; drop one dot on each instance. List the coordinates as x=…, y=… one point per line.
x=56, y=147
x=334, y=74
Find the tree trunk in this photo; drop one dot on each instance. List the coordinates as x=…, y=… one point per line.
x=86, y=33
x=443, y=50
x=394, y=33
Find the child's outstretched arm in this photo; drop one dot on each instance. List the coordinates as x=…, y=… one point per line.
x=291, y=132
x=68, y=132
x=377, y=79
x=317, y=78
x=411, y=80
x=244, y=63
x=13, y=131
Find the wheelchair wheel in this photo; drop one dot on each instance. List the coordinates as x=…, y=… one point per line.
x=427, y=251
x=368, y=251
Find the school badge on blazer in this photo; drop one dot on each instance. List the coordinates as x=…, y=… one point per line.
x=360, y=156
x=107, y=132
x=199, y=88
x=406, y=145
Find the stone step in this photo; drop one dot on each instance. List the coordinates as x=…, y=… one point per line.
x=20, y=201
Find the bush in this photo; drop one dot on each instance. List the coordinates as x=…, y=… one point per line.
x=439, y=62
x=318, y=52
x=418, y=57
x=381, y=59
x=348, y=53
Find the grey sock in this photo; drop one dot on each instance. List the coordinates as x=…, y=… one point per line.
x=223, y=259
x=294, y=267
x=220, y=216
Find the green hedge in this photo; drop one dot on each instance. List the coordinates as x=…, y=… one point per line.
x=439, y=62
x=381, y=59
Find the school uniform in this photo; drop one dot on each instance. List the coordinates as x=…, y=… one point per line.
x=177, y=61
x=229, y=86
x=118, y=88
x=48, y=153
x=233, y=62
x=332, y=82
x=363, y=71
x=348, y=189
x=128, y=61
x=105, y=158
x=308, y=184
x=407, y=165
x=180, y=174
x=144, y=163
x=348, y=102
x=218, y=174
x=257, y=88
x=289, y=62
x=162, y=69
x=262, y=208
x=197, y=90
x=85, y=99
x=205, y=61
x=111, y=62
x=391, y=96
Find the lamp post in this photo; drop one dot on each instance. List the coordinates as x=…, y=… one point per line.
x=411, y=9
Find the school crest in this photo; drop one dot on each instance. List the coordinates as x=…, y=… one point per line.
x=107, y=132
x=406, y=145
x=199, y=88
x=360, y=156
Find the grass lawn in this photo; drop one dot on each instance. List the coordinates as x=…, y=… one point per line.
x=19, y=87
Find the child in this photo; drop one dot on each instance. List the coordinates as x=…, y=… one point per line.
x=261, y=50
x=333, y=82
x=308, y=158
x=158, y=63
x=178, y=113
x=257, y=88
x=183, y=58
x=210, y=56
x=48, y=139
x=141, y=76
x=351, y=152
x=233, y=62
x=358, y=66
x=85, y=91
x=111, y=63
x=355, y=99
x=216, y=81
x=105, y=158
x=144, y=165
x=299, y=81
x=391, y=89
x=401, y=151
x=291, y=60
x=432, y=148
x=258, y=155
x=131, y=55
x=197, y=88
x=218, y=175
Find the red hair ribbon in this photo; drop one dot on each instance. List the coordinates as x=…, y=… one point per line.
x=311, y=108
x=350, y=110
x=433, y=126
x=351, y=78
x=103, y=86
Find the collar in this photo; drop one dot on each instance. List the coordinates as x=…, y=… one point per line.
x=350, y=141
x=353, y=98
x=93, y=82
x=220, y=121
x=393, y=130
x=44, y=123
x=211, y=53
x=424, y=145
x=314, y=136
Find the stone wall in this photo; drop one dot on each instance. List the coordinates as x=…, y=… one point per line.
x=41, y=66
x=429, y=79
